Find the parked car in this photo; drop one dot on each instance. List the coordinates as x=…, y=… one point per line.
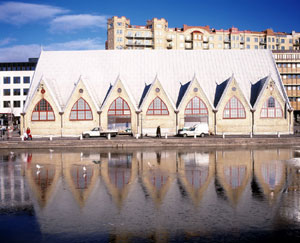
x=97, y=132
x=200, y=129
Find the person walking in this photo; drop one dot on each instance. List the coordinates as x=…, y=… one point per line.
x=158, y=134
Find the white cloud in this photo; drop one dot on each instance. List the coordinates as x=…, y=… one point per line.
x=83, y=44
x=75, y=22
x=6, y=41
x=20, y=53
x=18, y=13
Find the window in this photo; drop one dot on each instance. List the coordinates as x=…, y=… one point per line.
x=25, y=91
x=119, y=107
x=17, y=92
x=271, y=109
x=119, y=24
x=6, y=92
x=17, y=80
x=282, y=40
x=248, y=46
x=256, y=39
x=196, y=107
x=6, y=80
x=157, y=107
x=17, y=103
x=43, y=111
x=256, y=47
x=26, y=80
x=6, y=104
x=81, y=111
x=234, y=109
x=248, y=39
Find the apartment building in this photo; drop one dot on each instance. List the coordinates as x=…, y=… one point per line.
x=15, y=79
x=288, y=64
x=157, y=35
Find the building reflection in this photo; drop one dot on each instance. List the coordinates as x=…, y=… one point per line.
x=158, y=184
x=233, y=170
x=196, y=172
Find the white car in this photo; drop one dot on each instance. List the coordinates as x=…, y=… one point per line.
x=200, y=129
x=97, y=132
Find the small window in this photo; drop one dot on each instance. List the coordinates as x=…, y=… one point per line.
x=81, y=111
x=17, y=103
x=43, y=111
x=25, y=91
x=17, y=80
x=17, y=92
x=26, y=80
x=6, y=80
x=6, y=92
x=6, y=104
x=157, y=107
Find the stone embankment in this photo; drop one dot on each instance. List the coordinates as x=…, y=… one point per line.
x=130, y=142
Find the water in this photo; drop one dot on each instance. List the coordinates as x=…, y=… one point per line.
x=185, y=195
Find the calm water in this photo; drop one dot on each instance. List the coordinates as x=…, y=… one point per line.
x=189, y=195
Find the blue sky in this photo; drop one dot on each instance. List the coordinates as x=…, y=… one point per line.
x=27, y=25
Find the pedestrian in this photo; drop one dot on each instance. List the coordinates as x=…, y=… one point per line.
x=29, y=136
x=158, y=134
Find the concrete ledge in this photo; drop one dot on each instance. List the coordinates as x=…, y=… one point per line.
x=151, y=142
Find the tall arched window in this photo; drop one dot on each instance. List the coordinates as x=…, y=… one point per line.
x=119, y=107
x=157, y=107
x=195, y=112
x=43, y=111
x=234, y=109
x=119, y=115
x=81, y=111
x=271, y=109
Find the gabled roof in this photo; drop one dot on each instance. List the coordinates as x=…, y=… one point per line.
x=186, y=88
x=100, y=68
x=156, y=80
x=126, y=90
x=53, y=96
x=87, y=90
x=222, y=89
x=256, y=90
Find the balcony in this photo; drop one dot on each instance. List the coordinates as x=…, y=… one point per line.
x=205, y=39
x=188, y=39
x=263, y=42
x=296, y=43
x=169, y=38
x=188, y=46
x=242, y=41
x=170, y=45
x=227, y=40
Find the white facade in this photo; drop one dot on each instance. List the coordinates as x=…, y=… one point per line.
x=15, y=80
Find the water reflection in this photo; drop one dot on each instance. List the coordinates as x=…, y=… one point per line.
x=158, y=194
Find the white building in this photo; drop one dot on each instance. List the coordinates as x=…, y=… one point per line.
x=15, y=79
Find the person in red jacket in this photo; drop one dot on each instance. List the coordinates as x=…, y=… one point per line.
x=28, y=132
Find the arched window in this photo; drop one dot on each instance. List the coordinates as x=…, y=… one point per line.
x=119, y=115
x=119, y=107
x=157, y=107
x=43, y=112
x=234, y=109
x=196, y=107
x=81, y=111
x=271, y=109
x=195, y=112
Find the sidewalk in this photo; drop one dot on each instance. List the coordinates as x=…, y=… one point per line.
x=145, y=142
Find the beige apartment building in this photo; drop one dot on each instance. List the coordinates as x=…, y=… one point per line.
x=157, y=35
